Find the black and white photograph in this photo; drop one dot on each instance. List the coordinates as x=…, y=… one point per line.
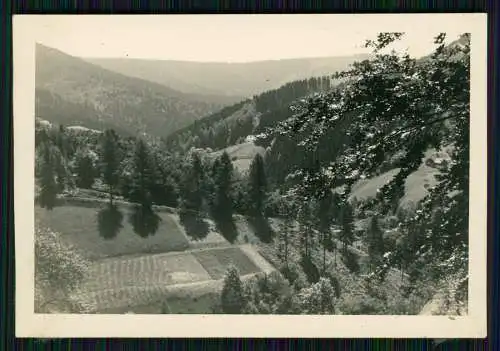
x=279, y=166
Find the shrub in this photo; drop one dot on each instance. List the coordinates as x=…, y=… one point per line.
x=59, y=272
x=294, y=274
x=318, y=299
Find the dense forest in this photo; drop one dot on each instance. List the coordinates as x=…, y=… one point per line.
x=233, y=124
x=321, y=139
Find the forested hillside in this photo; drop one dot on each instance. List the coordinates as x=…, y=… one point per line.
x=72, y=91
x=393, y=121
x=233, y=124
x=394, y=110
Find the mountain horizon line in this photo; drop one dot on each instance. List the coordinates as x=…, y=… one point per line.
x=207, y=62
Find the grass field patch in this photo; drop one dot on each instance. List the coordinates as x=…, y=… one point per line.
x=79, y=227
x=217, y=261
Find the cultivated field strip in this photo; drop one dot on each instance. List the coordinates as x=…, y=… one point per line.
x=217, y=261
x=127, y=297
x=146, y=270
x=131, y=281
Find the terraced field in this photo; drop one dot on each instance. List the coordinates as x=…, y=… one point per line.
x=169, y=270
x=122, y=283
x=161, y=269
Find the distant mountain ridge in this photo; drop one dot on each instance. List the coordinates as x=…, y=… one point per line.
x=229, y=79
x=70, y=90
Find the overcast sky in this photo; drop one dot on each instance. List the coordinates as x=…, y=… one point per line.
x=233, y=38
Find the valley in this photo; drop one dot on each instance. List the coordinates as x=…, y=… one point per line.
x=338, y=186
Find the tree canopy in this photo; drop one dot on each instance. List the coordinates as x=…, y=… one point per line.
x=395, y=107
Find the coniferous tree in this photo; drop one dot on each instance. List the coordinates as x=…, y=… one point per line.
x=47, y=181
x=232, y=296
x=85, y=170
x=397, y=105
x=346, y=220
x=211, y=186
x=305, y=217
x=257, y=186
x=223, y=206
x=286, y=231
x=193, y=184
x=375, y=242
x=325, y=220
x=110, y=161
x=144, y=221
x=165, y=187
x=347, y=236
x=142, y=177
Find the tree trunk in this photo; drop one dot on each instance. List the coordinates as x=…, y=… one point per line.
x=306, y=244
x=111, y=195
x=324, y=253
x=286, y=250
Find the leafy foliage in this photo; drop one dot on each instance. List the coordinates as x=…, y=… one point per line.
x=85, y=168
x=386, y=113
x=59, y=270
x=318, y=299
x=270, y=294
x=396, y=107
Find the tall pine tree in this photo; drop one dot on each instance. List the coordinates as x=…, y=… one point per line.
x=110, y=161
x=285, y=233
x=375, y=242
x=192, y=189
x=325, y=220
x=347, y=223
x=305, y=217
x=223, y=206
x=257, y=186
x=232, y=296
x=144, y=221
x=142, y=176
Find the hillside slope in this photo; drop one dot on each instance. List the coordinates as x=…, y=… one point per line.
x=72, y=91
x=234, y=124
x=230, y=79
